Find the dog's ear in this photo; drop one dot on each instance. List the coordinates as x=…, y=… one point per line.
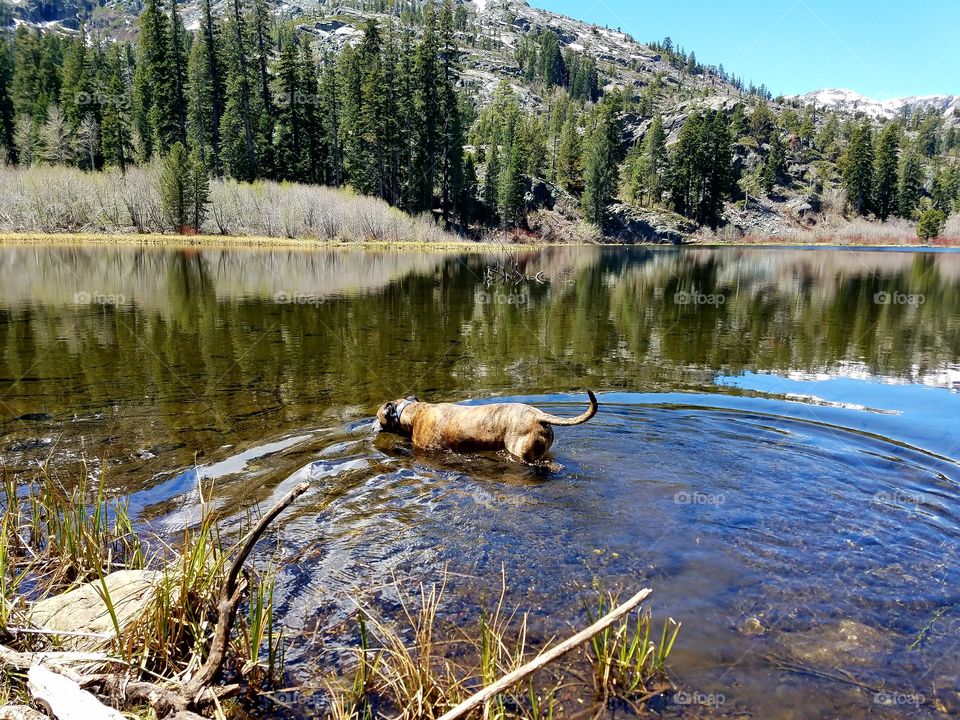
x=413, y=398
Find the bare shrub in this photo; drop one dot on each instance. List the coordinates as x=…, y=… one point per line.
x=58, y=199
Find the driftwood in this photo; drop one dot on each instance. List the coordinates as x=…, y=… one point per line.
x=64, y=698
x=545, y=658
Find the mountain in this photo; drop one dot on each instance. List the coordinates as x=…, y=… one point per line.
x=848, y=101
x=787, y=152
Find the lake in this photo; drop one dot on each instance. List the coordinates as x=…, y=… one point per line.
x=775, y=454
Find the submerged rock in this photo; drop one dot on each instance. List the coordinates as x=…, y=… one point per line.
x=847, y=643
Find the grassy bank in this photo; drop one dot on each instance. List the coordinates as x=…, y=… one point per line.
x=176, y=650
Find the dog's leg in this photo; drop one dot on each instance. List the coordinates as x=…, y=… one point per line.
x=531, y=446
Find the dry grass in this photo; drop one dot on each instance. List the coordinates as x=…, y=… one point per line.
x=45, y=199
x=54, y=539
x=425, y=677
x=861, y=231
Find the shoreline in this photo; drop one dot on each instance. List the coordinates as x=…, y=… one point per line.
x=196, y=242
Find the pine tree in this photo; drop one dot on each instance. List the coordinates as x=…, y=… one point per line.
x=153, y=89
x=427, y=113
x=600, y=172
x=701, y=176
x=858, y=168
x=910, y=183
x=330, y=116
x=7, y=115
x=739, y=126
x=262, y=108
x=176, y=120
x=236, y=126
x=931, y=223
x=491, y=183
x=289, y=127
x=208, y=89
x=774, y=165
x=647, y=169
x=451, y=138
x=115, y=129
x=568, y=154
x=184, y=189
x=77, y=101
x=510, y=199
x=885, y=172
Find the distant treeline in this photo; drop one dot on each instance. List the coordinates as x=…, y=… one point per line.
x=247, y=97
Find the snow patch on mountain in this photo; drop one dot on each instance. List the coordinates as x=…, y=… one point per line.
x=852, y=102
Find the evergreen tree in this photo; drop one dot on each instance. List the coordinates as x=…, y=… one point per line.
x=155, y=119
x=649, y=165
x=931, y=223
x=330, y=115
x=885, y=172
x=427, y=114
x=774, y=165
x=910, y=183
x=701, y=168
x=600, y=173
x=739, y=125
x=568, y=154
x=116, y=129
x=236, y=126
x=858, y=168
x=451, y=138
x=491, y=183
x=510, y=190
x=7, y=115
x=175, y=128
x=184, y=189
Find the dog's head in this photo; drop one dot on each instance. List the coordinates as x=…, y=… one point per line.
x=388, y=416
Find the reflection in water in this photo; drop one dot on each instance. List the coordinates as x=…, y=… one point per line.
x=776, y=446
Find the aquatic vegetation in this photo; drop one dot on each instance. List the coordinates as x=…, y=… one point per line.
x=626, y=663
x=426, y=678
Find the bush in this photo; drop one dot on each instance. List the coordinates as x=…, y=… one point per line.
x=931, y=223
x=46, y=199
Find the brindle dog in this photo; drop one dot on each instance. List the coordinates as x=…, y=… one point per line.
x=523, y=430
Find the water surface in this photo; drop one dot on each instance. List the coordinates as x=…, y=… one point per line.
x=776, y=452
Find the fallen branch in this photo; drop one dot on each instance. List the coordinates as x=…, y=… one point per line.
x=545, y=658
x=230, y=595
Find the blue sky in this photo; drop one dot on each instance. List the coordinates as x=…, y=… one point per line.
x=882, y=49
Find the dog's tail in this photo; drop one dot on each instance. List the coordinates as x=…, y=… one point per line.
x=555, y=420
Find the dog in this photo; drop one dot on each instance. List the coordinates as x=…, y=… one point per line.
x=522, y=430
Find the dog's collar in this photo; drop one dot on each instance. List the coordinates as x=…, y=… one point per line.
x=401, y=407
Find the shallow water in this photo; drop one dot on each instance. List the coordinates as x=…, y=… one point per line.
x=776, y=451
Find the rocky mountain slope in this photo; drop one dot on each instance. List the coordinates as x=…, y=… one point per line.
x=848, y=101
x=491, y=32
